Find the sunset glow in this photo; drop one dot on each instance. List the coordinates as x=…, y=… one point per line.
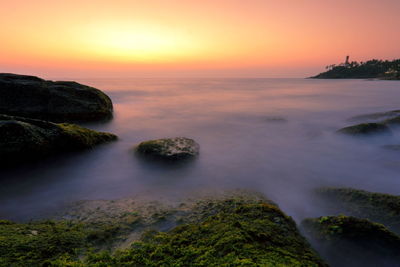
x=267, y=38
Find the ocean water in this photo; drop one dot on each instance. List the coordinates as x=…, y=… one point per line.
x=276, y=136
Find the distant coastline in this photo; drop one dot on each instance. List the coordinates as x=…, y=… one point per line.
x=371, y=69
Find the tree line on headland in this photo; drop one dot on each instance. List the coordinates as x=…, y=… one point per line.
x=379, y=69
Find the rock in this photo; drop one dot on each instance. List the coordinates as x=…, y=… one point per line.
x=378, y=207
x=32, y=97
x=376, y=116
x=392, y=121
x=349, y=241
x=365, y=129
x=275, y=119
x=238, y=234
x=179, y=148
x=23, y=139
x=38, y=243
x=223, y=231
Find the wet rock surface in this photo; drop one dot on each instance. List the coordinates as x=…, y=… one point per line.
x=350, y=241
x=376, y=116
x=33, y=97
x=23, y=139
x=377, y=207
x=169, y=149
x=233, y=229
x=365, y=129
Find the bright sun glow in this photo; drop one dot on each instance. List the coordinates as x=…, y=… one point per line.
x=141, y=44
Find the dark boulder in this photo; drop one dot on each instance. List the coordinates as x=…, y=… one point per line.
x=378, y=207
x=350, y=241
x=23, y=139
x=33, y=97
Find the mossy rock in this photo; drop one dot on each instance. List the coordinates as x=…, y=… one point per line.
x=378, y=207
x=365, y=129
x=32, y=244
x=33, y=97
x=42, y=243
x=350, y=241
x=169, y=149
x=23, y=139
x=239, y=233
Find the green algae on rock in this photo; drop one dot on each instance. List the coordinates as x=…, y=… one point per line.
x=23, y=139
x=376, y=127
x=238, y=233
x=350, y=241
x=365, y=129
x=33, y=97
x=378, y=207
x=173, y=149
x=33, y=244
x=44, y=243
x=224, y=230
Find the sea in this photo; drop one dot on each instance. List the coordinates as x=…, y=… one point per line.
x=274, y=136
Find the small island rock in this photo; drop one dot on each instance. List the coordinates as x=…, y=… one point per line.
x=365, y=129
x=33, y=97
x=178, y=148
x=23, y=139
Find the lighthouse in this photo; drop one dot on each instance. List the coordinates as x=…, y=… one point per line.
x=347, y=63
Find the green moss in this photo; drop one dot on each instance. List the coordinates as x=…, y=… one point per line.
x=40, y=243
x=365, y=128
x=38, y=139
x=350, y=241
x=239, y=234
x=378, y=207
x=32, y=244
x=150, y=147
x=83, y=137
x=232, y=231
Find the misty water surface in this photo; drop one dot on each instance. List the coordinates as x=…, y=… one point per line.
x=276, y=136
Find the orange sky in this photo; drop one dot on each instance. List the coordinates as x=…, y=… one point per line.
x=142, y=38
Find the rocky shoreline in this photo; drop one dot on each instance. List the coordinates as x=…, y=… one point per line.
x=235, y=228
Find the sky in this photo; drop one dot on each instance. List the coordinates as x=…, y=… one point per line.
x=193, y=38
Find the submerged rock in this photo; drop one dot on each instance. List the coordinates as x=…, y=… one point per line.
x=392, y=121
x=178, y=148
x=349, y=241
x=275, y=119
x=32, y=97
x=365, y=129
x=376, y=116
x=378, y=207
x=23, y=139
